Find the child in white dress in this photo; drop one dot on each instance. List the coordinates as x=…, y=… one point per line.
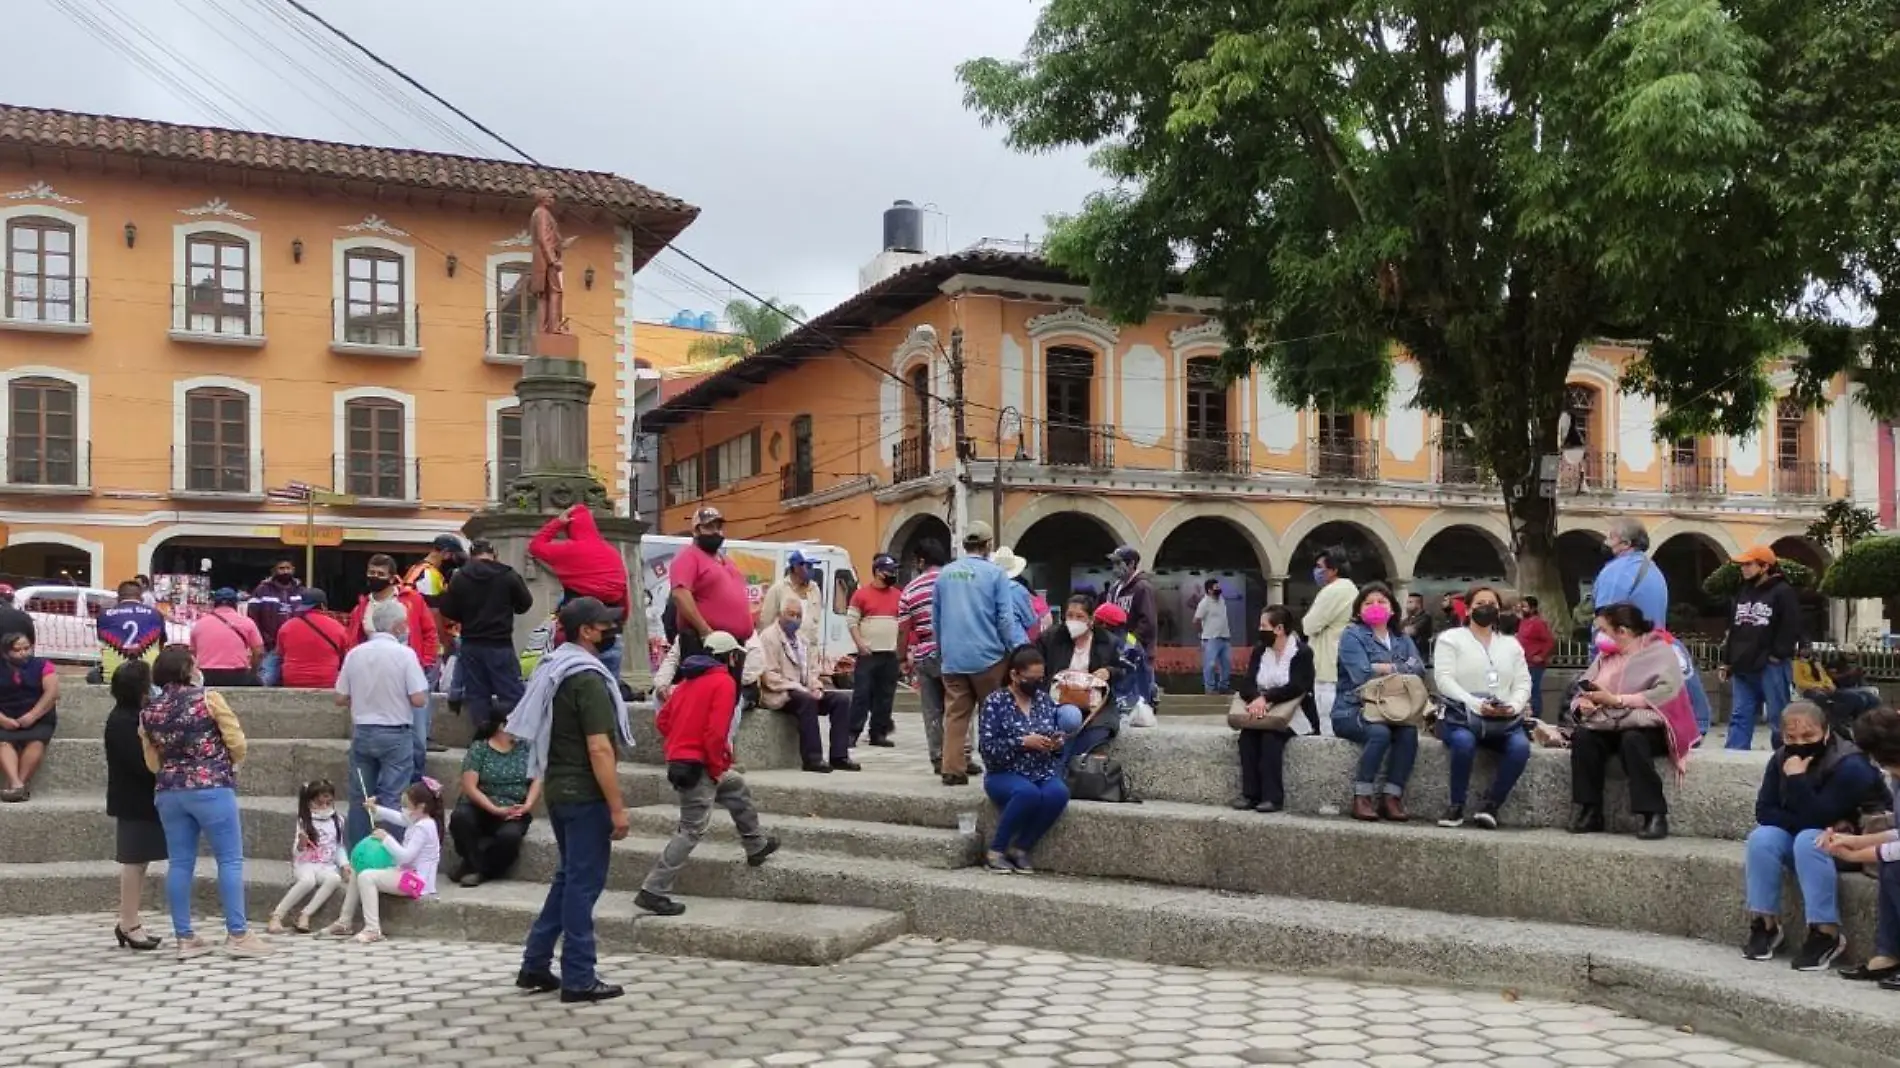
x=417, y=856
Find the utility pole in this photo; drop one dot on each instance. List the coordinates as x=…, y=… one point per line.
x=960, y=490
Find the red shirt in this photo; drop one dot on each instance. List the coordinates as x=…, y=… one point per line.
x=312, y=645
x=696, y=721
x=422, y=637
x=1538, y=642
x=583, y=563
x=717, y=587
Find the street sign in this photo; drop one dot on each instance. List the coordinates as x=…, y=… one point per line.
x=298, y=534
x=325, y=497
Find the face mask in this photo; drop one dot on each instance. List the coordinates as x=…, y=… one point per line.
x=378, y=583
x=285, y=580
x=1604, y=643
x=789, y=626
x=197, y=678
x=709, y=542
x=1809, y=750
x=322, y=813
x=1376, y=615
x=607, y=640
x=1319, y=576
x=1485, y=615
x=1030, y=687
x=1077, y=627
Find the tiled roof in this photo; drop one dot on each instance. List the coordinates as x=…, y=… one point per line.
x=36, y=128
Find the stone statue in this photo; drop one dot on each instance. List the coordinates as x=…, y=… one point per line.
x=546, y=282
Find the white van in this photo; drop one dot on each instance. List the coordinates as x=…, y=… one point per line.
x=763, y=563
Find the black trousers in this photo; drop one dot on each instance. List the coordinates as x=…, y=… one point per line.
x=1262, y=766
x=873, y=691
x=226, y=678
x=488, y=844
x=835, y=704
x=1590, y=756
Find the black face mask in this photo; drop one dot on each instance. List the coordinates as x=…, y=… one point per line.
x=378, y=583
x=284, y=580
x=1485, y=615
x=607, y=640
x=1031, y=687
x=709, y=542
x=1810, y=750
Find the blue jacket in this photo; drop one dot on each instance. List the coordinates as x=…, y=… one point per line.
x=974, y=615
x=1618, y=582
x=1358, y=652
x=1837, y=786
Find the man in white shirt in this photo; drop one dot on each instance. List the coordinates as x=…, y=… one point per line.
x=1325, y=621
x=383, y=686
x=1216, y=638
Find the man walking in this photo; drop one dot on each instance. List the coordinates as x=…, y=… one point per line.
x=571, y=715
x=1761, y=642
x=382, y=685
x=1216, y=638
x=918, y=640
x=1136, y=596
x=270, y=607
x=1630, y=576
x=708, y=591
x=872, y=619
x=1324, y=623
x=484, y=598
x=696, y=723
x=1534, y=634
x=974, y=615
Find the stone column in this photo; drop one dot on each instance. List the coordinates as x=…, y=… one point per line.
x=1276, y=589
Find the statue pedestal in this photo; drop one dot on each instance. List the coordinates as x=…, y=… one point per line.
x=557, y=346
x=511, y=531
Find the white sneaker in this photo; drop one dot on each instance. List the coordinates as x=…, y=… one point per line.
x=248, y=944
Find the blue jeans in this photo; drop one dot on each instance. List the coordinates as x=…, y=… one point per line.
x=1028, y=808
x=185, y=813
x=1513, y=750
x=422, y=718
x=610, y=658
x=1771, y=849
x=1752, y=692
x=271, y=671
x=1537, y=692
x=1378, y=739
x=584, y=835
x=382, y=758
x=1699, y=704
x=490, y=680
x=1217, y=663
x=1887, y=912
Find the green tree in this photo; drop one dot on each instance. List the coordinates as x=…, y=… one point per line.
x=1843, y=523
x=1489, y=184
x=755, y=326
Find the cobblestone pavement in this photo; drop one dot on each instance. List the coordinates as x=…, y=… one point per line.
x=68, y=999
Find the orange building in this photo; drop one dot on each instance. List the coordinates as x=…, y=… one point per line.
x=193, y=317
x=1085, y=434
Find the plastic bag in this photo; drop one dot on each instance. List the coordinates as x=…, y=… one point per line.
x=1139, y=714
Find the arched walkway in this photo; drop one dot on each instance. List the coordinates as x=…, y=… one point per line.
x=1067, y=552
x=1267, y=551
x=912, y=531
x=1372, y=534
x=1489, y=528
x=52, y=557
x=1457, y=557
x=1016, y=524
x=1817, y=614
x=1687, y=558
x=1196, y=550
x=1580, y=556
x=1369, y=560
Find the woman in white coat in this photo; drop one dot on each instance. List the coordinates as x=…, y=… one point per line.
x=1486, y=684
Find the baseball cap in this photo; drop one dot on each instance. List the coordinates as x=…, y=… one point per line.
x=1126, y=554
x=978, y=533
x=224, y=595
x=1756, y=554
x=1111, y=613
x=706, y=515
x=883, y=564
x=585, y=612
x=719, y=643
x=447, y=543
x=311, y=597
x=795, y=558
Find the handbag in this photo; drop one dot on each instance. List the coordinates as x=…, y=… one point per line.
x=1481, y=726
x=1096, y=776
x=1398, y=700
x=1278, y=718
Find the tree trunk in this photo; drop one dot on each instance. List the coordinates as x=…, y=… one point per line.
x=1535, y=524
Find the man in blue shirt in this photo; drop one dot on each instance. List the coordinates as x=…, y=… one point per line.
x=129, y=630
x=1630, y=576
x=974, y=614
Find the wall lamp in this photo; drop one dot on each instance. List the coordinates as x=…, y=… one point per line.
x=131, y=234
x=296, y=250
x=452, y=262
x=587, y=278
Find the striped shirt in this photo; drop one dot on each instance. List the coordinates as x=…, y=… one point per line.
x=913, y=614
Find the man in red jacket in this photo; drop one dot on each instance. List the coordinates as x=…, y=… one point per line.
x=1535, y=636
x=696, y=723
x=586, y=566
x=381, y=576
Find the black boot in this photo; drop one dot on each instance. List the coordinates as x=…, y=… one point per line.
x=1587, y=819
x=1655, y=827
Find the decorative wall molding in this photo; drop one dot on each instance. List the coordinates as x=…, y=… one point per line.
x=377, y=224
x=1074, y=321
x=1587, y=363
x=217, y=206
x=1208, y=332
x=40, y=191
x=522, y=239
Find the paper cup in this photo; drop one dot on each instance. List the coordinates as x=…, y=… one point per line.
x=966, y=823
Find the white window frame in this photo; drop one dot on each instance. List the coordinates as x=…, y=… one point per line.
x=492, y=420
x=340, y=441
x=181, y=435
x=82, y=427
x=82, y=277
x=492, y=322
x=339, y=288
x=181, y=277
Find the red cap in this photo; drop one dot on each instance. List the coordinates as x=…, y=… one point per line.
x=1111, y=614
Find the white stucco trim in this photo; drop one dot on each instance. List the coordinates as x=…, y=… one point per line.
x=181, y=275
x=82, y=416
x=1200, y=339
x=491, y=325
x=340, y=435
x=94, y=550
x=626, y=374
x=339, y=293
x=254, y=429
x=491, y=432
x=82, y=243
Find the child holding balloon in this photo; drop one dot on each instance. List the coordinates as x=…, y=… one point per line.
x=407, y=866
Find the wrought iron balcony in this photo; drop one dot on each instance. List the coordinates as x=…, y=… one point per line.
x=910, y=459
x=794, y=482
x=1078, y=445
x=377, y=478
x=1352, y=460
x=214, y=470
x=1594, y=473
x=206, y=313
x=47, y=466
x=1704, y=476
x=1801, y=479
x=1219, y=454
x=32, y=301
x=1459, y=466
x=507, y=336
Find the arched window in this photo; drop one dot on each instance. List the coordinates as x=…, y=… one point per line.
x=375, y=448
x=1796, y=472
x=374, y=302
x=1583, y=403
x=1068, y=407
x=217, y=441
x=1341, y=448
x=1206, y=422
x=217, y=283
x=42, y=432
x=1596, y=471
x=797, y=479
x=41, y=280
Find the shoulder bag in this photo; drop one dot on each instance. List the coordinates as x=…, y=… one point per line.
x=1096, y=776
x=1278, y=717
x=1398, y=700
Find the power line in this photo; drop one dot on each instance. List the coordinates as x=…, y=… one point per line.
x=165, y=79
x=165, y=51
x=297, y=65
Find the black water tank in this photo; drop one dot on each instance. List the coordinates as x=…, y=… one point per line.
x=903, y=227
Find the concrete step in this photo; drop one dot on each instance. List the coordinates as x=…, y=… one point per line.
x=892, y=798
x=767, y=932
x=928, y=847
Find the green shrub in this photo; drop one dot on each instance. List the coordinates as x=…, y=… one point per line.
x=1724, y=581
x=1868, y=568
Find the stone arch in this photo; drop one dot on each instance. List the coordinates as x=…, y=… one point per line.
x=1716, y=534
x=1379, y=534
x=1048, y=504
x=1267, y=548
x=1067, y=547
x=1489, y=526
x=95, y=551
x=1687, y=552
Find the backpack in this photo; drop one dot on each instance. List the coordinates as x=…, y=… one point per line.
x=1096, y=776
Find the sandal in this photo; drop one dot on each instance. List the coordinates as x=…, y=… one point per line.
x=302, y=926
x=339, y=929
x=276, y=926
x=369, y=936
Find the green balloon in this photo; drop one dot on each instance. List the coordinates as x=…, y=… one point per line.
x=370, y=855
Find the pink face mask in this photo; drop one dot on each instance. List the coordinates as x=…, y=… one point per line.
x=1605, y=644
x=1376, y=614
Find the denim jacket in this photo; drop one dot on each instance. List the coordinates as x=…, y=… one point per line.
x=1359, y=651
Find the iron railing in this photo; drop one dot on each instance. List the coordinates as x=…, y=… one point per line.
x=910, y=459
x=1703, y=476
x=1078, y=445
x=214, y=312
x=377, y=478
x=1801, y=479
x=1459, y=466
x=213, y=469
x=1353, y=460
x=508, y=333
x=36, y=298
x=37, y=465
x=794, y=481
x=388, y=327
x=1219, y=454
x=1594, y=473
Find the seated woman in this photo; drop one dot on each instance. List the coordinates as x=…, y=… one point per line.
x=1486, y=684
x=1630, y=704
x=1815, y=781
x=1878, y=736
x=1083, y=645
x=29, y=695
x=1369, y=649
x=496, y=808
x=1281, y=670
x=1021, y=742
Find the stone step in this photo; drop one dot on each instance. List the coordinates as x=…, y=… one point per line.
x=929, y=847
x=889, y=797
x=766, y=932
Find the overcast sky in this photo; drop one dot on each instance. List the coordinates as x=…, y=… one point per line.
x=792, y=124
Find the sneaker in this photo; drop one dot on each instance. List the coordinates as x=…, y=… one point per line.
x=1763, y=940
x=770, y=847
x=1020, y=860
x=952, y=779
x=1487, y=816
x=248, y=944
x=471, y=880
x=973, y=767
x=998, y=863
x=192, y=946
x=657, y=905
x=1453, y=817
x=1819, y=951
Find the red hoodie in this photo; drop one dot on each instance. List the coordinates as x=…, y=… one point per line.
x=584, y=564
x=1538, y=642
x=422, y=636
x=696, y=720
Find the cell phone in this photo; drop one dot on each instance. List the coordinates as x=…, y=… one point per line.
x=1588, y=685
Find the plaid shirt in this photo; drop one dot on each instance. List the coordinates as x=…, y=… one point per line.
x=913, y=615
